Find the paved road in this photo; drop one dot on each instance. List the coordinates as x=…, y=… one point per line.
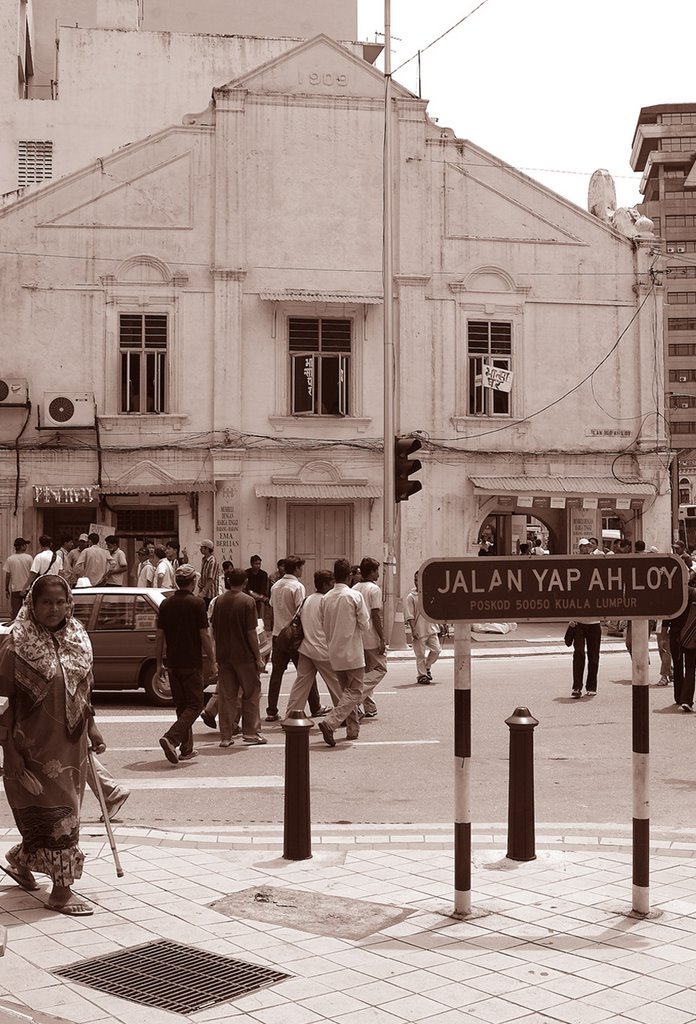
x=401, y=769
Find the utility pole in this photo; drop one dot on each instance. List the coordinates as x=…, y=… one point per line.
x=389, y=504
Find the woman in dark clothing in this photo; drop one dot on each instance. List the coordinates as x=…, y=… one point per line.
x=683, y=659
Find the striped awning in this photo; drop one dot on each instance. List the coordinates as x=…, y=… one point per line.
x=302, y=295
x=322, y=491
x=580, y=486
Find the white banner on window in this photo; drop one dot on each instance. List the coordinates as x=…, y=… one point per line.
x=496, y=378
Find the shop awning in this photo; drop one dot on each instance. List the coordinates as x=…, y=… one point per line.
x=323, y=491
x=581, y=486
x=302, y=295
x=172, y=487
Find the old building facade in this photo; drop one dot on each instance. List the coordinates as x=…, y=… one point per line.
x=198, y=318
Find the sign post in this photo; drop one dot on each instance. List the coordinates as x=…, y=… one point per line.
x=465, y=590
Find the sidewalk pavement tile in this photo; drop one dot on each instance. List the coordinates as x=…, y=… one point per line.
x=552, y=939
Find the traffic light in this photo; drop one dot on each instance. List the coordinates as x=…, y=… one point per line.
x=404, y=467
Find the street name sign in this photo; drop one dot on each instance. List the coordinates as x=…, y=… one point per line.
x=552, y=587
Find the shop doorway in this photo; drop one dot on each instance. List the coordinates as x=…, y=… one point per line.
x=502, y=533
x=320, y=534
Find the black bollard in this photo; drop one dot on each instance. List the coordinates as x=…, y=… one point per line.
x=297, y=825
x=521, y=788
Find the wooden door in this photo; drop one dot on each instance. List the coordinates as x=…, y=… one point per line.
x=320, y=534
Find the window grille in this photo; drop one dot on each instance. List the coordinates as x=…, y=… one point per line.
x=320, y=351
x=488, y=342
x=143, y=353
x=35, y=162
x=146, y=522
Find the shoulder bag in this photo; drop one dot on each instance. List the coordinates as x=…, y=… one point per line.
x=292, y=635
x=569, y=636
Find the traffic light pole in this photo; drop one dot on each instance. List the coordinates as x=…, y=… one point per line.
x=390, y=576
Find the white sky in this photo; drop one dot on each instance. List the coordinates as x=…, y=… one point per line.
x=553, y=84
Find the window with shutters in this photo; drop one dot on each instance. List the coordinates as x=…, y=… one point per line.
x=34, y=162
x=143, y=355
x=320, y=352
x=489, y=344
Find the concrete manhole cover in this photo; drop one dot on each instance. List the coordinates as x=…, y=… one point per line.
x=311, y=911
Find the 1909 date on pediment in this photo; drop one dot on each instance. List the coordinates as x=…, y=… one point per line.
x=325, y=78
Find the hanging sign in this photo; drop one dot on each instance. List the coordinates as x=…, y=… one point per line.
x=496, y=378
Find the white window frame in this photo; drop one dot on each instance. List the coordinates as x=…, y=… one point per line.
x=485, y=398
x=313, y=360
x=158, y=355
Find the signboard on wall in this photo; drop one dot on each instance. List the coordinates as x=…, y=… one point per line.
x=582, y=522
x=227, y=542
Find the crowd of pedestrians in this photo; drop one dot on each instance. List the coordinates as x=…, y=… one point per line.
x=341, y=639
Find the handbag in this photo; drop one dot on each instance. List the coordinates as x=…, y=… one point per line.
x=292, y=635
x=569, y=636
x=687, y=636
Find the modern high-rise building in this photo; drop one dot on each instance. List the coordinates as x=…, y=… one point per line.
x=664, y=149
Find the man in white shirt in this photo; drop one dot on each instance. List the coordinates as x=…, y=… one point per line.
x=47, y=562
x=164, y=571
x=117, y=576
x=17, y=569
x=314, y=654
x=287, y=596
x=373, y=639
x=94, y=562
x=345, y=619
x=424, y=635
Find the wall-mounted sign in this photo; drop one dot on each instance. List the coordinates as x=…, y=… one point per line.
x=45, y=495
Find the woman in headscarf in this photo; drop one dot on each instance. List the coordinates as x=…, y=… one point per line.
x=46, y=672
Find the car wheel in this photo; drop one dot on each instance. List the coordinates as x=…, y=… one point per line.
x=157, y=687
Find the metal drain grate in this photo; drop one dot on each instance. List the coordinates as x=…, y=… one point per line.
x=171, y=976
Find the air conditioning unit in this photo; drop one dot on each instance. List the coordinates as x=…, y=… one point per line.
x=681, y=248
x=683, y=380
x=684, y=405
x=68, y=409
x=670, y=248
x=14, y=391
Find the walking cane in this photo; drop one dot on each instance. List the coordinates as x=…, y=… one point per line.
x=105, y=813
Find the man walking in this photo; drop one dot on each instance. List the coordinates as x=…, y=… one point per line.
x=182, y=631
x=345, y=618
x=424, y=635
x=47, y=562
x=373, y=639
x=17, y=569
x=239, y=660
x=287, y=595
x=314, y=654
x=210, y=570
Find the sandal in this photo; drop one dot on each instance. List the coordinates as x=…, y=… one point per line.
x=73, y=909
x=27, y=881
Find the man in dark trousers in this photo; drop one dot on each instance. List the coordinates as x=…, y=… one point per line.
x=182, y=631
x=239, y=660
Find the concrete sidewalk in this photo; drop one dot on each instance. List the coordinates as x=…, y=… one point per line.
x=550, y=940
x=529, y=638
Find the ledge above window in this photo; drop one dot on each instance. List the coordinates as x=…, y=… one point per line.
x=474, y=424
x=143, y=423
x=347, y=424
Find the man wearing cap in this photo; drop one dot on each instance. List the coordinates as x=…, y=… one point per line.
x=182, y=632
x=17, y=568
x=146, y=568
x=70, y=563
x=210, y=570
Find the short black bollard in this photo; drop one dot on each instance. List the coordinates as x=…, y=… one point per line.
x=297, y=827
x=521, y=788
